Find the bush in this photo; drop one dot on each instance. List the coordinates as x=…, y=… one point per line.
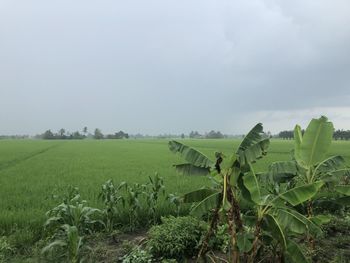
x=5, y=249
x=176, y=237
x=137, y=255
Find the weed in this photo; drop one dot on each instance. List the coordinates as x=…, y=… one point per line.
x=177, y=237
x=137, y=255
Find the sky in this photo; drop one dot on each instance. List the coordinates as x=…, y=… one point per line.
x=172, y=66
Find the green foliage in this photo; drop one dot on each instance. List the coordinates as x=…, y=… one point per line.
x=315, y=142
x=198, y=163
x=111, y=197
x=73, y=211
x=26, y=186
x=334, y=246
x=269, y=198
x=176, y=237
x=138, y=255
x=66, y=245
x=175, y=200
x=152, y=190
x=221, y=240
x=132, y=200
x=253, y=146
x=6, y=249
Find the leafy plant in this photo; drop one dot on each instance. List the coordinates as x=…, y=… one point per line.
x=176, y=237
x=310, y=165
x=111, y=197
x=5, y=249
x=152, y=190
x=137, y=255
x=67, y=245
x=132, y=200
x=176, y=200
x=269, y=219
x=73, y=211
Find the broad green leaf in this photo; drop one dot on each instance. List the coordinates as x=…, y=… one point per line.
x=321, y=219
x=276, y=229
x=253, y=137
x=300, y=194
x=235, y=172
x=206, y=205
x=345, y=201
x=341, y=172
x=190, y=169
x=330, y=164
x=243, y=242
x=282, y=172
x=254, y=152
x=316, y=141
x=253, y=146
x=190, y=155
x=343, y=189
x=298, y=138
x=290, y=221
x=335, y=176
x=244, y=190
x=198, y=195
x=251, y=183
x=295, y=222
x=294, y=254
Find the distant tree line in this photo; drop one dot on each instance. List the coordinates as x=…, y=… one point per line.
x=13, y=137
x=337, y=135
x=341, y=135
x=208, y=135
x=63, y=135
x=286, y=135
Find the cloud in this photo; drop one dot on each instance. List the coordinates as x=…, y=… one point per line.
x=171, y=66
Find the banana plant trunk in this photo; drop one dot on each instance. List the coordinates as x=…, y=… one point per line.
x=234, y=221
x=255, y=242
x=212, y=228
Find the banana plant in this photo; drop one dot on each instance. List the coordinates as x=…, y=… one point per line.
x=274, y=215
x=224, y=198
x=310, y=164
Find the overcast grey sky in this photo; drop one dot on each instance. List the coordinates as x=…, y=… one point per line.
x=161, y=66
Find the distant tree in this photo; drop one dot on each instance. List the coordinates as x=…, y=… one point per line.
x=85, y=130
x=121, y=135
x=77, y=136
x=214, y=135
x=61, y=133
x=48, y=135
x=341, y=135
x=194, y=134
x=286, y=135
x=98, y=134
x=182, y=136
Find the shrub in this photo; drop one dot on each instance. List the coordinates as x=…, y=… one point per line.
x=137, y=255
x=176, y=237
x=5, y=249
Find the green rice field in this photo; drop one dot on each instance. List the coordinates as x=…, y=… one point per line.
x=32, y=171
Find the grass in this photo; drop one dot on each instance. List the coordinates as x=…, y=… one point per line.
x=31, y=172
